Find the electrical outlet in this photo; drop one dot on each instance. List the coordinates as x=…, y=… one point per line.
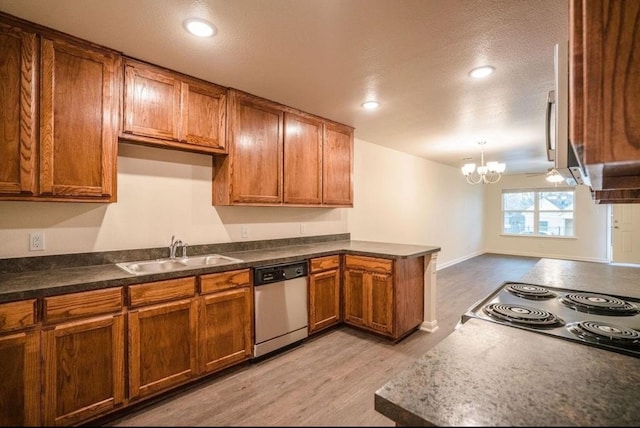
x=244, y=231
x=303, y=228
x=36, y=241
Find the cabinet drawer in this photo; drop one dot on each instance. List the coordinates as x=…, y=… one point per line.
x=224, y=280
x=84, y=304
x=369, y=263
x=161, y=291
x=324, y=263
x=17, y=315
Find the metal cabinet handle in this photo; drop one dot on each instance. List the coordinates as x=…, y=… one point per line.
x=551, y=153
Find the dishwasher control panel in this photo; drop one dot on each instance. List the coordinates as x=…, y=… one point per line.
x=279, y=272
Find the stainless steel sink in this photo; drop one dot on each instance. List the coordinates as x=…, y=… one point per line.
x=142, y=267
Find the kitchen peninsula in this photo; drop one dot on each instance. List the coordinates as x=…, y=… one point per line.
x=496, y=375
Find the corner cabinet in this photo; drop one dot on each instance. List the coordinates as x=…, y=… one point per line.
x=20, y=368
x=83, y=356
x=280, y=156
x=69, y=150
x=226, y=319
x=383, y=295
x=162, y=335
x=324, y=292
x=603, y=84
x=168, y=109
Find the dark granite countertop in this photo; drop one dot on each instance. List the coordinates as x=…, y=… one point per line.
x=495, y=375
x=60, y=278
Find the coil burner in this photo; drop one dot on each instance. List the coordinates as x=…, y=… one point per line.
x=523, y=315
x=529, y=291
x=606, y=321
x=599, y=304
x=605, y=333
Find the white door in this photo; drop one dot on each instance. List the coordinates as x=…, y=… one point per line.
x=625, y=235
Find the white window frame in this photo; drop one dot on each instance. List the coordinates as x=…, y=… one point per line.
x=536, y=211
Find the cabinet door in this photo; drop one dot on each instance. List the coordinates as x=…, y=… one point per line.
x=337, y=158
x=20, y=374
x=256, y=150
x=151, y=102
x=380, y=313
x=302, y=159
x=83, y=369
x=324, y=299
x=78, y=121
x=162, y=346
x=204, y=112
x=18, y=109
x=604, y=82
x=355, y=297
x=225, y=328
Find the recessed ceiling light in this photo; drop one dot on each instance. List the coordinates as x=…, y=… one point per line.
x=200, y=27
x=370, y=105
x=480, y=72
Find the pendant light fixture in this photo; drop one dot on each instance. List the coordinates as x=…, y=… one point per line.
x=486, y=174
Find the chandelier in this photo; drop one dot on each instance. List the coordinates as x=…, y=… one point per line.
x=553, y=176
x=486, y=174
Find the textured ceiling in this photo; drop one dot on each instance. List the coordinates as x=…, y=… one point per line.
x=328, y=56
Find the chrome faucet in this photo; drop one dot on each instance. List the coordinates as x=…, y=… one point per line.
x=174, y=245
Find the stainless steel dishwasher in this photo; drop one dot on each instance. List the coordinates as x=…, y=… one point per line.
x=281, y=314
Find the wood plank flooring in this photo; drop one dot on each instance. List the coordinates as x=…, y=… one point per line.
x=329, y=380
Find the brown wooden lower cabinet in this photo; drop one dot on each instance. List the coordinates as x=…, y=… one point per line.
x=83, y=359
x=384, y=295
x=226, y=319
x=161, y=335
x=19, y=365
x=324, y=292
x=64, y=364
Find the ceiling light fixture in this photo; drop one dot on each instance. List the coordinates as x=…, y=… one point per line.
x=486, y=174
x=200, y=27
x=553, y=176
x=371, y=105
x=480, y=72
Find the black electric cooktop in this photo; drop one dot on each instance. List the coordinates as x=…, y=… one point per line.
x=603, y=320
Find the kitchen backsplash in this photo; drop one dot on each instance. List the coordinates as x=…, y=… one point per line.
x=26, y=264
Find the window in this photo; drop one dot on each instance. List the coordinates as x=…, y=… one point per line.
x=538, y=212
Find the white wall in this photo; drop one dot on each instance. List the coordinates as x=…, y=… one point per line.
x=405, y=199
x=160, y=193
x=591, y=226
x=397, y=198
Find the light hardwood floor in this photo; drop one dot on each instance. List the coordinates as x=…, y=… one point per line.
x=329, y=380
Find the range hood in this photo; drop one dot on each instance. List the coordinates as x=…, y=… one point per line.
x=559, y=149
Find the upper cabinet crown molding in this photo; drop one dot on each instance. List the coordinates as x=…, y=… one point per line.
x=169, y=109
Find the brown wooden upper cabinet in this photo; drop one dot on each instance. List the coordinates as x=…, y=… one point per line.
x=252, y=172
x=68, y=151
x=303, y=136
x=282, y=156
x=604, y=94
x=337, y=168
x=168, y=109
